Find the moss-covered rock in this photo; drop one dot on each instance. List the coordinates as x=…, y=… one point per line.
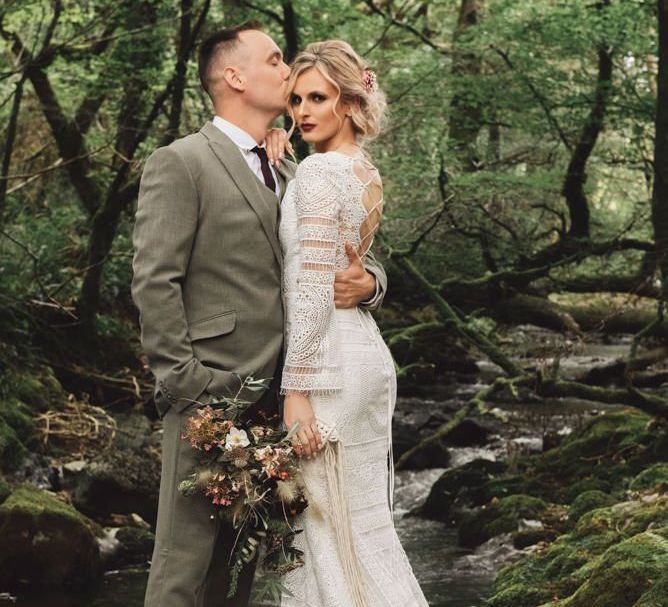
x=655, y=477
x=503, y=516
x=587, y=460
x=587, y=501
x=529, y=537
x=656, y=595
x=46, y=542
x=36, y=386
x=623, y=574
x=24, y=391
x=5, y=489
x=519, y=595
x=498, y=487
x=572, y=569
x=17, y=431
x=604, y=454
x=136, y=546
x=612, y=532
x=623, y=519
x=19, y=416
x=12, y=450
x=584, y=486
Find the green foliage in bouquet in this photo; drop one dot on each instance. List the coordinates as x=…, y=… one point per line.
x=251, y=473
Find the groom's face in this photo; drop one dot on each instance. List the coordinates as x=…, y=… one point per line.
x=264, y=71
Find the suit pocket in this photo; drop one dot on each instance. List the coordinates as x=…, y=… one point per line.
x=213, y=326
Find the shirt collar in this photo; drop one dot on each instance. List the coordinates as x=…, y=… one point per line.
x=240, y=137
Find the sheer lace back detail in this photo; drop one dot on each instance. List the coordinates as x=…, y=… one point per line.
x=372, y=200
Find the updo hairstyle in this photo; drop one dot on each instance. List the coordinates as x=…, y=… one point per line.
x=349, y=74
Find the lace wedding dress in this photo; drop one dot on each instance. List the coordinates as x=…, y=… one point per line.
x=353, y=557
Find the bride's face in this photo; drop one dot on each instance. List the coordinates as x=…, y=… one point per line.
x=315, y=109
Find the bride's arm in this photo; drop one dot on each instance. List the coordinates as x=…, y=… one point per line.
x=308, y=368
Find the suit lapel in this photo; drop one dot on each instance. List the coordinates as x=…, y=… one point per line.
x=281, y=182
x=285, y=174
x=259, y=197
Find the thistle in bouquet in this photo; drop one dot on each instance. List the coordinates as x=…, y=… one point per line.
x=250, y=471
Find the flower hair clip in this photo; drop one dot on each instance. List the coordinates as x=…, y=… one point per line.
x=370, y=80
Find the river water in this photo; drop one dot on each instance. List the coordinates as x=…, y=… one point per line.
x=449, y=575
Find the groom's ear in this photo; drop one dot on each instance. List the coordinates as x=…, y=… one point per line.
x=234, y=78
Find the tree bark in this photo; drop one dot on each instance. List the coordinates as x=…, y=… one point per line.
x=660, y=186
x=181, y=71
x=9, y=144
x=465, y=112
x=576, y=175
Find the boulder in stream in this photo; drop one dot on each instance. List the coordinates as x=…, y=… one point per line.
x=454, y=490
x=135, y=546
x=505, y=515
x=45, y=542
x=121, y=481
x=124, y=479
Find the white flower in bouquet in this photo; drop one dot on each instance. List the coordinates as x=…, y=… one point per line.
x=236, y=438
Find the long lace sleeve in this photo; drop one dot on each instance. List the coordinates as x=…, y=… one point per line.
x=308, y=364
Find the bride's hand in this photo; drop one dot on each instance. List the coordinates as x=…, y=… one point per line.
x=297, y=408
x=277, y=142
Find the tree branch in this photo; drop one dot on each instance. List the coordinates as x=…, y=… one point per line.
x=406, y=26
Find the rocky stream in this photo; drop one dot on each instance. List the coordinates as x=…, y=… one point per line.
x=563, y=495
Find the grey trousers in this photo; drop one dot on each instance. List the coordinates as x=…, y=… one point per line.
x=189, y=567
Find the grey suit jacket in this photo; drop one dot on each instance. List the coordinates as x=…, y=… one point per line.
x=207, y=269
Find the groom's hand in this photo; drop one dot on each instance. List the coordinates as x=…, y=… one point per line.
x=355, y=284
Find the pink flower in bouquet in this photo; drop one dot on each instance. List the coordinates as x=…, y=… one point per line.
x=206, y=429
x=264, y=453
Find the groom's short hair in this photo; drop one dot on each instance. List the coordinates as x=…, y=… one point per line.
x=219, y=43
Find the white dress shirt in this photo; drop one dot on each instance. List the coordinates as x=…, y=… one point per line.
x=246, y=143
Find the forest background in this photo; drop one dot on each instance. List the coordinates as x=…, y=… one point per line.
x=525, y=169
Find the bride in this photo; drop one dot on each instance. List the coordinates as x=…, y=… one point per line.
x=338, y=379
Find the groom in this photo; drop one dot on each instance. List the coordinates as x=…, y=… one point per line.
x=207, y=282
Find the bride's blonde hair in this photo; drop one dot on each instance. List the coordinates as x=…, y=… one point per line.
x=344, y=69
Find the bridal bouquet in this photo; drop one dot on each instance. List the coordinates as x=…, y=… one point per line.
x=251, y=473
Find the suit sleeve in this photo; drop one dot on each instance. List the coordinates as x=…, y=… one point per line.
x=376, y=268
x=165, y=227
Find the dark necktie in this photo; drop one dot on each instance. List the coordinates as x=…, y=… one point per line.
x=266, y=171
